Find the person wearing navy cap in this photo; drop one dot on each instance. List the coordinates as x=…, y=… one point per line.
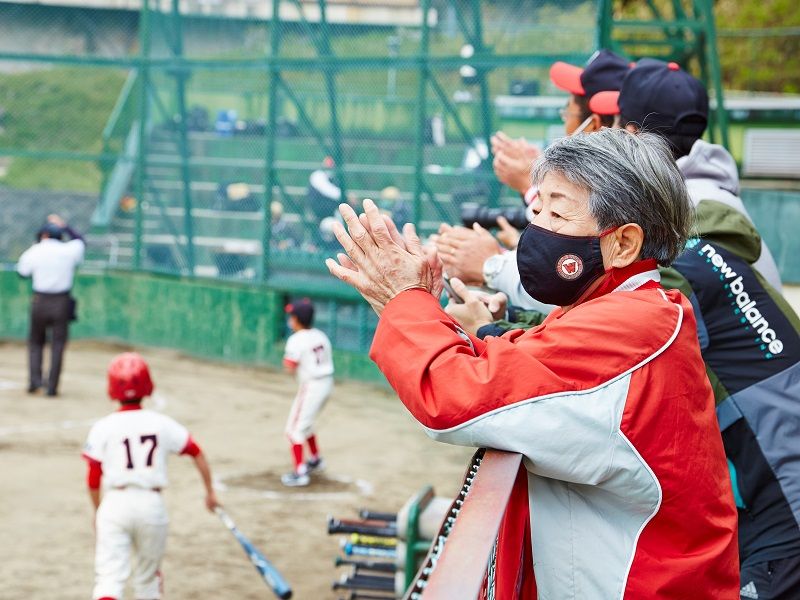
x=662, y=98
x=309, y=357
x=749, y=336
x=473, y=255
x=51, y=264
x=604, y=71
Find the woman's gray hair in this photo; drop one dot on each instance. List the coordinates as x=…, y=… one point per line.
x=631, y=178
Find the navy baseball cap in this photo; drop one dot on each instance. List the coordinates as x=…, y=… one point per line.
x=604, y=70
x=303, y=310
x=52, y=230
x=658, y=96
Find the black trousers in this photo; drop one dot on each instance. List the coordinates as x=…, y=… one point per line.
x=48, y=311
x=772, y=580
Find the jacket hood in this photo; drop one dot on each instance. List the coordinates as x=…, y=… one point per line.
x=728, y=227
x=711, y=162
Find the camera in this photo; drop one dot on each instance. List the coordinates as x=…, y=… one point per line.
x=487, y=217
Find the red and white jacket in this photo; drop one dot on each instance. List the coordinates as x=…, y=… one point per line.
x=625, y=491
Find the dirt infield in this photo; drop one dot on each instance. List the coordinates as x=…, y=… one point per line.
x=377, y=457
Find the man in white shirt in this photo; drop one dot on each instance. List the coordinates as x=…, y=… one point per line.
x=308, y=355
x=51, y=263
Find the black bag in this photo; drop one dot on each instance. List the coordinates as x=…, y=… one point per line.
x=73, y=308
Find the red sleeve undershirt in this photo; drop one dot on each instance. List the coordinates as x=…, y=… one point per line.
x=191, y=448
x=94, y=474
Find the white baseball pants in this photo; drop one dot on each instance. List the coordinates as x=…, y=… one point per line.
x=129, y=521
x=308, y=402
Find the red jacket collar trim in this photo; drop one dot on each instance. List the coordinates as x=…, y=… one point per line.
x=632, y=277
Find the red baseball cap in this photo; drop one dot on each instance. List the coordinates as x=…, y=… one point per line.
x=605, y=103
x=303, y=310
x=605, y=70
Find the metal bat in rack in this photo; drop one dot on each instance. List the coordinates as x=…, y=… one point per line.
x=268, y=572
x=365, y=513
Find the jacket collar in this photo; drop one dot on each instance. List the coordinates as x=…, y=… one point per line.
x=636, y=275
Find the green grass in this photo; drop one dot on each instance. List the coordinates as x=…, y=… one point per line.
x=58, y=109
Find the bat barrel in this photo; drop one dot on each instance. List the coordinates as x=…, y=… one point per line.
x=372, y=515
x=367, y=565
x=265, y=568
x=364, y=582
x=338, y=526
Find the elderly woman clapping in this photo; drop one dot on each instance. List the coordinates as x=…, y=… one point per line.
x=625, y=490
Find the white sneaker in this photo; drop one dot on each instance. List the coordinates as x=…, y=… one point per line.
x=315, y=464
x=295, y=480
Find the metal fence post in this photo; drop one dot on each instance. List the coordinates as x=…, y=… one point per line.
x=141, y=167
x=486, y=107
x=330, y=86
x=180, y=80
x=422, y=91
x=272, y=117
x=710, y=51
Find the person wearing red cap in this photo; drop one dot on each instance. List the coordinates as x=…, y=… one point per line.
x=308, y=355
x=473, y=255
x=749, y=336
x=605, y=70
x=128, y=451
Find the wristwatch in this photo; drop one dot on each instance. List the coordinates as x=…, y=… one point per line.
x=492, y=267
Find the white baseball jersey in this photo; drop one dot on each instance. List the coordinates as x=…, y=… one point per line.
x=133, y=446
x=310, y=350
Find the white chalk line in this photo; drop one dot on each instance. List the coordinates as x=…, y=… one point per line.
x=6, y=384
x=365, y=488
x=159, y=403
x=46, y=427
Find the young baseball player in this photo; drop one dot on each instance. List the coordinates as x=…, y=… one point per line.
x=128, y=450
x=308, y=354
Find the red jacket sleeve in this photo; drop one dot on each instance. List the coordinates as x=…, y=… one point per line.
x=446, y=378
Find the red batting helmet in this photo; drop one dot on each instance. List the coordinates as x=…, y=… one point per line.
x=129, y=377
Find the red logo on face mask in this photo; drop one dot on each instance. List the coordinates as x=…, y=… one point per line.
x=569, y=267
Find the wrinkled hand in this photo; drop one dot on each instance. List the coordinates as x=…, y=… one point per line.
x=473, y=313
x=212, y=502
x=463, y=251
x=380, y=262
x=508, y=234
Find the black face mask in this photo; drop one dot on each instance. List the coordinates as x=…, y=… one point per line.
x=556, y=268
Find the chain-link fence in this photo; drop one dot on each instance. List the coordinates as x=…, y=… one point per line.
x=215, y=138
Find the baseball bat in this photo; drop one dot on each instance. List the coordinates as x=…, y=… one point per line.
x=360, y=582
x=268, y=572
x=372, y=540
x=367, y=565
x=339, y=526
x=351, y=549
x=373, y=515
